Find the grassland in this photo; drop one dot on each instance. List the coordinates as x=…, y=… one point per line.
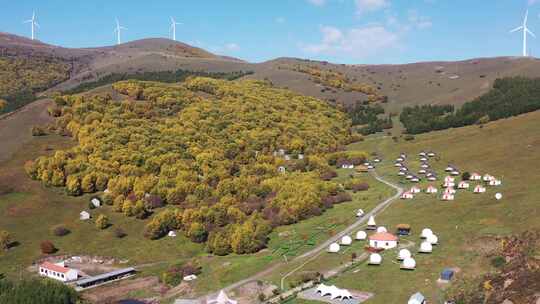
x=29, y=211
x=507, y=149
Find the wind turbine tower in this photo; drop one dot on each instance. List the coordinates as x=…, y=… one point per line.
x=525, y=32
x=33, y=24
x=118, y=31
x=173, y=28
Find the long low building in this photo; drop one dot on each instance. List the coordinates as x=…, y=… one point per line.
x=105, y=277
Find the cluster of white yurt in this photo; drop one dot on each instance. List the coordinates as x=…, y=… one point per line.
x=403, y=254
x=430, y=239
x=381, y=229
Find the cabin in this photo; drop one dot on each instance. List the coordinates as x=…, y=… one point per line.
x=479, y=189
x=494, y=182
x=333, y=248
x=475, y=177
x=414, y=190
x=415, y=179
x=447, y=197
x=347, y=166
x=408, y=264
x=371, y=225
x=58, y=272
x=84, y=216
x=449, y=179
x=383, y=240
x=96, y=202
x=375, y=259
x=361, y=169
x=370, y=167
x=430, y=189
x=463, y=185
x=407, y=195
x=403, y=229
x=417, y=298
x=222, y=298
x=449, y=185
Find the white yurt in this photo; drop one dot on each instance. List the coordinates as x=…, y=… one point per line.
x=449, y=169
x=425, y=233
x=449, y=190
x=422, y=171
x=487, y=177
x=361, y=235
x=407, y=195
x=426, y=247
x=447, y=197
x=498, y=196
x=371, y=225
x=375, y=259
x=424, y=166
x=408, y=263
x=334, y=247
x=422, y=153
x=346, y=240
x=397, y=165
x=431, y=189
x=433, y=239
x=414, y=190
x=415, y=179
x=409, y=176
x=381, y=229
x=423, y=159
x=475, y=177
x=449, y=179
x=431, y=154
x=479, y=189
x=455, y=173
x=401, y=173
x=432, y=178
x=403, y=254
x=495, y=182
x=403, y=169
x=463, y=185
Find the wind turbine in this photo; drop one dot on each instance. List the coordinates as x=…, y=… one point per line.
x=525, y=32
x=33, y=24
x=118, y=31
x=173, y=27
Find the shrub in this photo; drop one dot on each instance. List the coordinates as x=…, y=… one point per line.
x=498, y=261
x=119, y=233
x=60, y=230
x=102, y=221
x=359, y=187
x=38, y=131
x=5, y=239
x=47, y=247
x=465, y=176
x=409, y=137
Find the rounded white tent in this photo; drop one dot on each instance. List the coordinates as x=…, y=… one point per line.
x=408, y=263
x=498, y=196
x=425, y=233
x=346, y=240
x=361, y=235
x=381, y=229
x=432, y=239
x=334, y=247
x=426, y=247
x=403, y=254
x=375, y=259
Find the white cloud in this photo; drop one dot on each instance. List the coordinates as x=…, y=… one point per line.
x=280, y=20
x=355, y=42
x=232, y=46
x=317, y=2
x=418, y=21
x=364, y=6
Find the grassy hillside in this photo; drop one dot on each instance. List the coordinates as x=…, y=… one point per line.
x=468, y=227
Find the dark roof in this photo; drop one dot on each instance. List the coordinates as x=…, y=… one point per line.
x=105, y=276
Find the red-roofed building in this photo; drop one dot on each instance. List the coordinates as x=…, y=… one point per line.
x=383, y=240
x=57, y=271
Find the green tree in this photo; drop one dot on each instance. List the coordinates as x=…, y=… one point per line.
x=5, y=239
x=73, y=185
x=102, y=221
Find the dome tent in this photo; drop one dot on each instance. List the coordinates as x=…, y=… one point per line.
x=361, y=235
x=425, y=233
x=381, y=229
x=334, y=247
x=403, y=254
x=433, y=239
x=346, y=240
x=426, y=247
x=375, y=259
x=408, y=263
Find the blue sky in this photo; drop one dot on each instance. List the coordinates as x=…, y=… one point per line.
x=342, y=31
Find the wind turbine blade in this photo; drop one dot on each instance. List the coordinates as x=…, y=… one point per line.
x=27, y=21
x=526, y=17
x=516, y=29
x=531, y=33
x=37, y=24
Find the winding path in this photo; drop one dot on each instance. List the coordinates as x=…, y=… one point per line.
x=315, y=252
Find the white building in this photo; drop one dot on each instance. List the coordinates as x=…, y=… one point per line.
x=383, y=240
x=359, y=212
x=455, y=173
x=172, y=233
x=463, y=185
x=333, y=248
x=58, y=272
x=407, y=195
x=449, y=169
x=84, y=215
x=415, y=179
x=430, y=189
x=479, y=189
x=333, y=292
x=222, y=298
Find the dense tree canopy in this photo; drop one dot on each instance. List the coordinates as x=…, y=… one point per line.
x=367, y=118
x=210, y=148
x=508, y=97
x=36, y=291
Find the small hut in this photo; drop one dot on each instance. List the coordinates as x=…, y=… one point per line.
x=407, y=195
x=431, y=189
x=84, y=215
x=425, y=233
x=375, y=259
x=403, y=229
x=463, y=185
x=417, y=298
x=447, y=274
x=415, y=190
x=479, y=189
x=346, y=240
